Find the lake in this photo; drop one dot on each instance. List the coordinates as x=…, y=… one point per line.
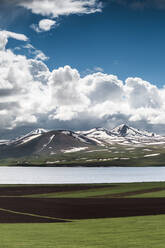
x=57, y=175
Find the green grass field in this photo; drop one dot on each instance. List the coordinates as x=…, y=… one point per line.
x=157, y=194
x=134, y=232
x=126, y=232
x=111, y=190
x=119, y=190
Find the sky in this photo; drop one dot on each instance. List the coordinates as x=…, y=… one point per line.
x=80, y=64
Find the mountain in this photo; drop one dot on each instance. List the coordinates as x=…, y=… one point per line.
x=122, y=135
x=47, y=143
x=42, y=142
x=126, y=131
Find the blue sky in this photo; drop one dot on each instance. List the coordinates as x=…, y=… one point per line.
x=121, y=40
x=78, y=64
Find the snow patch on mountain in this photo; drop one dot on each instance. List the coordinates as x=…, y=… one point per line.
x=45, y=145
x=99, y=135
x=152, y=155
x=28, y=139
x=75, y=149
x=66, y=132
x=37, y=131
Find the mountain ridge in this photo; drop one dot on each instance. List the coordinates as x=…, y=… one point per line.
x=122, y=130
x=42, y=142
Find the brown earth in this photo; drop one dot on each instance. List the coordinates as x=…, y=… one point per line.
x=89, y=208
x=132, y=193
x=30, y=190
x=73, y=208
x=6, y=217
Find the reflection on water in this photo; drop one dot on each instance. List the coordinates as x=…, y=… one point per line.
x=50, y=175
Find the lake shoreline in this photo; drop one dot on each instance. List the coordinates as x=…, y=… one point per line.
x=77, y=165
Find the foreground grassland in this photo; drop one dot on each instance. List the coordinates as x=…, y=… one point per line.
x=126, y=232
x=134, y=232
x=157, y=194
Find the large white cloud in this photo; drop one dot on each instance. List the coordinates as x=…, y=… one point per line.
x=19, y=87
x=143, y=94
x=31, y=94
x=65, y=94
x=100, y=87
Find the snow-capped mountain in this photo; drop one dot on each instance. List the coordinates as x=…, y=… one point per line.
x=25, y=138
x=44, y=142
x=122, y=135
x=126, y=131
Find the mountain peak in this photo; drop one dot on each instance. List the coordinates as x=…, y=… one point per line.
x=36, y=132
x=121, y=129
x=39, y=131
x=124, y=130
x=100, y=129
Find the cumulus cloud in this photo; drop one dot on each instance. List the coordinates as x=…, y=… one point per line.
x=143, y=94
x=100, y=87
x=31, y=94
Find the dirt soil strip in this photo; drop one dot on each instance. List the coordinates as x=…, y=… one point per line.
x=29, y=190
x=132, y=193
x=34, y=215
x=8, y=217
x=89, y=208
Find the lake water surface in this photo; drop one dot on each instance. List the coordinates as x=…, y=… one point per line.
x=57, y=175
